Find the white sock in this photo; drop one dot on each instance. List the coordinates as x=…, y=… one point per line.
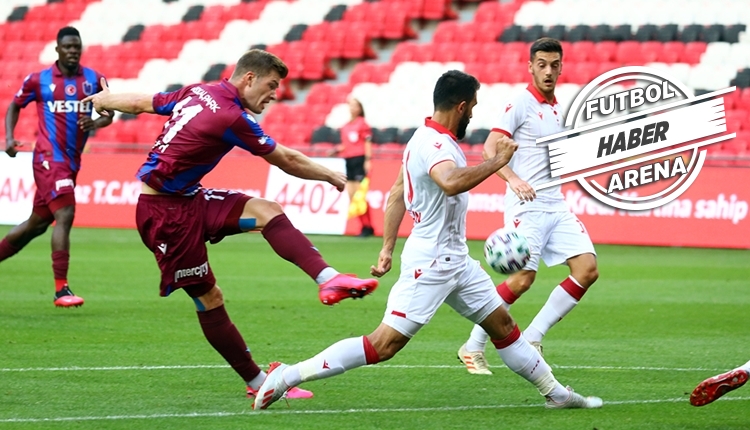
x=326, y=275
x=257, y=381
x=343, y=355
x=525, y=360
x=745, y=367
x=558, y=305
x=478, y=337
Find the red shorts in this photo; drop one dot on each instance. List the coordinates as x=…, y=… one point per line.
x=55, y=186
x=176, y=229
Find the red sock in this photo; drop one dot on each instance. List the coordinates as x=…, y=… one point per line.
x=60, y=262
x=365, y=218
x=291, y=245
x=227, y=341
x=60, y=284
x=7, y=250
x=571, y=287
x=371, y=355
x=508, y=296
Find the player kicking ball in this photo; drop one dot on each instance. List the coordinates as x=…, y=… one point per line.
x=433, y=187
x=716, y=386
x=175, y=216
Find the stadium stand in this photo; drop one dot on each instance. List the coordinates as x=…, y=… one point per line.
x=162, y=44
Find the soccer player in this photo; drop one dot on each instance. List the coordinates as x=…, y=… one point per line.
x=356, y=150
x=175, y=216
x=716, y=386
x=554, y=233
x=64, y=126
x=436, y=268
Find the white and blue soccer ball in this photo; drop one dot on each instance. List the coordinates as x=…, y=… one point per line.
x=506, y=251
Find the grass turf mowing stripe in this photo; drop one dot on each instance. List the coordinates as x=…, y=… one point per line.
x=377, y=366
x=335, y=411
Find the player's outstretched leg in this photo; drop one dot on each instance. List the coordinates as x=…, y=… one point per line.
x=716, y=386
x=20, y=235
x=291, y=245
x=471, y=353
x=343, y=355
x=522, y=358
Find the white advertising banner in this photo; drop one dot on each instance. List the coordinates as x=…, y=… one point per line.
x=312, y=206
x=16, y=188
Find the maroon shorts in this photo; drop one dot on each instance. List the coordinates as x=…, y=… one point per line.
x=55, y=186
x=176, y=230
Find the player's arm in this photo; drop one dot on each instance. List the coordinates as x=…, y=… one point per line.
x=11, y=119
x=297, y=164
x=134, y=103
x=489, y=151
x=368, y=154
x=523, y=190
x=456, y=180
x=394, y=214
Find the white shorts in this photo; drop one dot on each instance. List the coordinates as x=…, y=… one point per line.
x=420, y=291
x=553, y=236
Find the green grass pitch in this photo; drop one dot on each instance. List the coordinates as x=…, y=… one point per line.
x=657, y=322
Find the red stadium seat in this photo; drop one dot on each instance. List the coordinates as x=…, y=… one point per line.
x=445, y=32
x=469, y=52
x=693, y=52
x=444, y=52
x=627, y=52
x=604, y=51
x=653, y=52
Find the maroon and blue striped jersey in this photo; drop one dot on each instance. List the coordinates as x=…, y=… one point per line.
x=58, y=103
x=207, y=121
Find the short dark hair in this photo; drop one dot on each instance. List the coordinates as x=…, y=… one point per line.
x=546, y=44
x=67, y=31
x=453, y=88
x=261, y=63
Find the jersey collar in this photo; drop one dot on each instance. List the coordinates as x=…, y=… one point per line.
x=57, y=72
x=428, y=122
x=539, y=97
x=233, y=91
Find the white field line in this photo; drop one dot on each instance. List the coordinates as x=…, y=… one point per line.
x=377, y=366
x=330, y=411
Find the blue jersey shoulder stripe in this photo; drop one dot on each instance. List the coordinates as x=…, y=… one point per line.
x=47, y=95
x=165, y=109
x=71, y=125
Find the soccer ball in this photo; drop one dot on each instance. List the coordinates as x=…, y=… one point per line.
x=506, y=251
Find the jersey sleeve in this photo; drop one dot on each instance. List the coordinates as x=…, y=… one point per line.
x=365, y=132
x=164, y=102
x=438, y=152
x=512, y=117
x=28, y=91
x=245, y=132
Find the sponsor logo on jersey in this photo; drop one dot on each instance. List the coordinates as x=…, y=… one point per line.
x=88, y=88
x=200, y=271
x=67, y=106
x=62, y=183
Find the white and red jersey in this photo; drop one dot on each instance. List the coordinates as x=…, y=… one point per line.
x=526, y=118
x=438, y=238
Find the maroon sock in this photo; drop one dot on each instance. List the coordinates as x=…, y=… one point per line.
x=227, y=341
x=7, y=250
x=292, y=245
x=60, y=261
x=365, y=218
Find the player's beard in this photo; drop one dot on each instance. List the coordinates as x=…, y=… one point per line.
x=462, y=124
